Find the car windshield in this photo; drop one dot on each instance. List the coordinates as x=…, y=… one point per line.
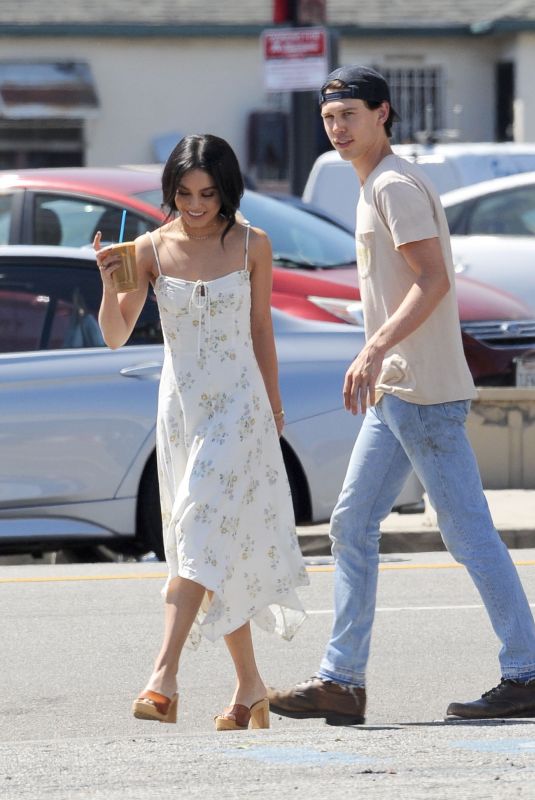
x=298, y=238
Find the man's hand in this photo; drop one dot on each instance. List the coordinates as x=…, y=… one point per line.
x=359, y=383
x=431, y=283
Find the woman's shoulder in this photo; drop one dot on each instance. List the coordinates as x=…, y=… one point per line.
x=259, y=247
x=144, y=242
x=145, y=245
x=258, y=238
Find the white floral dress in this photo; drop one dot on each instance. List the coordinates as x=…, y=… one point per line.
x=226, y=506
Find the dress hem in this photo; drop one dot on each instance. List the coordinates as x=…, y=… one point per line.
x=283, y=616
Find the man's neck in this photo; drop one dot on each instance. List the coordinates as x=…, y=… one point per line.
x=365, y=164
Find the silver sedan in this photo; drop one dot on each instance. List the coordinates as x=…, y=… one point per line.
x=77, y=431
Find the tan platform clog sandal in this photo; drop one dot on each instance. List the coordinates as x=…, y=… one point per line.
x=240, y=718
x=155, y=706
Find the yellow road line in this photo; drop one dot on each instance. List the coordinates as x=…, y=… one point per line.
x=73, y=578
x=140, y=576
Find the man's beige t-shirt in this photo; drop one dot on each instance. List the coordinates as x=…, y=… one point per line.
x=398, y=205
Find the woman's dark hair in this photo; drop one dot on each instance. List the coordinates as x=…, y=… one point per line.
x=216, y=157
x=371, y=104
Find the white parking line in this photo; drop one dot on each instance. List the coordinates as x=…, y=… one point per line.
x=409, y=608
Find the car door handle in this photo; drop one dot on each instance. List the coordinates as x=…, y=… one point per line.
x=152, y=369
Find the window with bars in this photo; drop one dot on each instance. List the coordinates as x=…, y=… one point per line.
x=417, y=96
x=41, y=143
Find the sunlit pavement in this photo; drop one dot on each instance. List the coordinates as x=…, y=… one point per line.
x=78, y=641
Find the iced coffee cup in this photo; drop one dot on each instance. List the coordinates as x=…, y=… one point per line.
x=125, y=276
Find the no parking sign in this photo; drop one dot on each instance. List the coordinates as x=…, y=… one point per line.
x=295, y=59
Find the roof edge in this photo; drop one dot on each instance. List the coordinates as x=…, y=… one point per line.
x=497, y=26
x=211, y=30
x=356, y=31
x=142, y=30
x=131, y=30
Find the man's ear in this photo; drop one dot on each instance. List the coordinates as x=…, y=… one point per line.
x=384, y=111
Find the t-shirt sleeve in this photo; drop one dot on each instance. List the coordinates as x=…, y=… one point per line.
x=406, y=210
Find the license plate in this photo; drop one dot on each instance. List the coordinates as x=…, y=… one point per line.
x=525, y=372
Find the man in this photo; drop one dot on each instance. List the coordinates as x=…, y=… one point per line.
x=413, y=385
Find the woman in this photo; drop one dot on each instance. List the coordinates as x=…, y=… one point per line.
x=228, y=526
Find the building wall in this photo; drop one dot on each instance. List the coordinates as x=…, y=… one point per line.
x=468, y=69
x=524, y=110
x=150, y=87
x=155, y=86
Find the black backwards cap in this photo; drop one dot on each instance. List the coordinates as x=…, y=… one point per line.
x=361, y=83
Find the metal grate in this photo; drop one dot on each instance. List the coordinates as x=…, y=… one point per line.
x=502, y=333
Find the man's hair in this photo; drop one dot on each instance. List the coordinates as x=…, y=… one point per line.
x=371, y=104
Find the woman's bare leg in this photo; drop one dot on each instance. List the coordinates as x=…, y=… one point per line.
x=249, y=685
x=182, y=604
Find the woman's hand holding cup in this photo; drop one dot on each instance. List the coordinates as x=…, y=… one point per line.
x=113, y=258
x=106, y=263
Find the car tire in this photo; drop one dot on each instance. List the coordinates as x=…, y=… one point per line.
x=149, y=515
x=149, y=524
x=298, y=485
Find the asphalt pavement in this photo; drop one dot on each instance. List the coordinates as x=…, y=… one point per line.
x=78, y=641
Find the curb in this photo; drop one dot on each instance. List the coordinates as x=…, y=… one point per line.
x=318, y=544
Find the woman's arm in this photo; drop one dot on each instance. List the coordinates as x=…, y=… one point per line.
x=119, y=312
x=260, y=260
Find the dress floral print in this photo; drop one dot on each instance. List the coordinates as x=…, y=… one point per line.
x=226, y=505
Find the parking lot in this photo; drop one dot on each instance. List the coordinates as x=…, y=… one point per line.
x=79, y=639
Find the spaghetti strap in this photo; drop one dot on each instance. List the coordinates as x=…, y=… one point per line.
x=155, y=253
x=247, y=231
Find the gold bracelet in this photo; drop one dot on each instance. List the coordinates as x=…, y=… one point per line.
x=278, y=414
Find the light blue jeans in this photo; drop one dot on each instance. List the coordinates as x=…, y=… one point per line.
x=395, y=436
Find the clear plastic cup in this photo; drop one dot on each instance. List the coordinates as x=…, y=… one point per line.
x=124, y=277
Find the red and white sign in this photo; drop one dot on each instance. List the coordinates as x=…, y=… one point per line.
x=295, y=59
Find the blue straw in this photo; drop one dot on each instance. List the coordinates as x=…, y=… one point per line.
x=123, y=220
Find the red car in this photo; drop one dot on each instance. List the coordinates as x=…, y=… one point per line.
x=314, y=272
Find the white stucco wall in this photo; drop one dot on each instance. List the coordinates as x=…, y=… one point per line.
x=524, y=122
x=149, y=87
x=468, y=69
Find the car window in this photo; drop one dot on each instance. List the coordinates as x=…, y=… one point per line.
x=455, y=216
x=509, y=213
x=296, y=235
x=6, y=210
x=50, y=305
x=73, y=221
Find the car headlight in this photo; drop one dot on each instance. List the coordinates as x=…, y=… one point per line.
x=349, y=311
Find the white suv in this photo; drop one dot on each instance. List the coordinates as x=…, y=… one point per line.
x=333, y=184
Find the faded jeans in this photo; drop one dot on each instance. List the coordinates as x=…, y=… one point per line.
x=395, y=436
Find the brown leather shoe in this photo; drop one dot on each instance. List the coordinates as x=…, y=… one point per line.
x=509, y=699
x=337, y=704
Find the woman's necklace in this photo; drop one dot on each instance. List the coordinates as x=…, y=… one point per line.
x=214, y=228
x=211, y=231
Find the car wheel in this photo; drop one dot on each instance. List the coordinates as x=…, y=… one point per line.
x=149, y=514
x=149, y=523
x=298, y=484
